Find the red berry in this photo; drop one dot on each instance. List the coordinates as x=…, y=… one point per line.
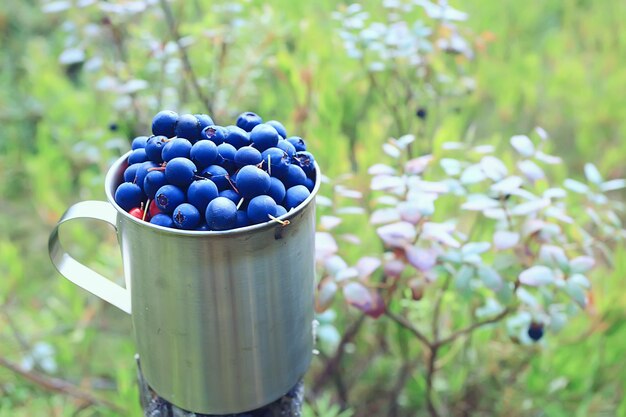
x=136, y=212
x=153, y=210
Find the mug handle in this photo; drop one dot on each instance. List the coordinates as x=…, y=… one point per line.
x=78, y=273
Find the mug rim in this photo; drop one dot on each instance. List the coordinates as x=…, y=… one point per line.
x=112, y=181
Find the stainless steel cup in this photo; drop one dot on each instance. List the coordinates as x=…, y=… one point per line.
x=222, y=320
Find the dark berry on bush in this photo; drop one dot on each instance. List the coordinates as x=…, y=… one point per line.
x=279, y=127
x=221, y=214
x=161, y=219
x=264, y=136
x=248, y=120
x=186, y=216
x=139, y=142
x=237, y=137
x=201, y=193
x=169, y=197
x=295, y=196
x=164, y=123
x=247, y=155
x=421, y=113
x=298, y=143
x=252, y=181
x=188, y=127
x=180, y=172
x=535, y=331
x=128, y=195
x=215, y=134
x=176, y=148
x=154, y=147
x=203, y=153
x=261, y=208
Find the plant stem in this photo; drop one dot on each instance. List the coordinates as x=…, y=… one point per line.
x=171, y=24
x=332, y=366
x=471, y=328
x=430, y=374
x=409, y=326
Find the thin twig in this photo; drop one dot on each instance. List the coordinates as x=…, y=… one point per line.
x=58, y=385
x=437, y=310
x=409, y=326
x=473, y=327
x=430, y=374
x=403, y=377
x=332, y=366
x=171, y=24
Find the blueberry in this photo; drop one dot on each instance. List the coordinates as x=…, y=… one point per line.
x=298, y=143
x=176, y=148
x=421, y=113
x=221, y=214
x=237, y=137
x=295, y=196
x=248, y=120
x=309, y=184
x=242, y=218
x=247, y=155
x=276, y=190
x=252, y=181
x=169, y=197
x=205, y=120
x=218, y=175
x=280, y=211
x=142, y=172
x=188, y=127
x=215, y=134
x=287, y=147
x=201, y=192
x=279, y=127
x=535, y=331
x=180, y=172
x=203, y=227
x=153, y=181
x=306, y=161
x=276, y=162
x=128, y=195
x=130, y=173
x=295, y=176
x=203, y=153
x=264, y=136
x=227, y=153
x=231, y=195
x=164, y=123
x=154, y=146
x=139, y=142
x=161, y=219
x=260, y=208
x=186, y=217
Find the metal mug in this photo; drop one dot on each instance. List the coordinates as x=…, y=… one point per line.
x=222, y=319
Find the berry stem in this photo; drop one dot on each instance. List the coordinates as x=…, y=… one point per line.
x=269, y=164
x=240, y=203
x=282, y=222
x=145, y=210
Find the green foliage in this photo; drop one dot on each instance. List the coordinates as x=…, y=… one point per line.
x=78, y=83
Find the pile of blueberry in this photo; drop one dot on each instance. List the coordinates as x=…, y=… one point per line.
x=194, y=175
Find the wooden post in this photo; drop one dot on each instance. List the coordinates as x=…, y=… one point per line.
x=289, y=405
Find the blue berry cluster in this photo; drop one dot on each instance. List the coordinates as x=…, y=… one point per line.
x=195, y=175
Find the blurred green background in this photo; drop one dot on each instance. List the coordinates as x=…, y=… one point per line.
x=80, y=79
